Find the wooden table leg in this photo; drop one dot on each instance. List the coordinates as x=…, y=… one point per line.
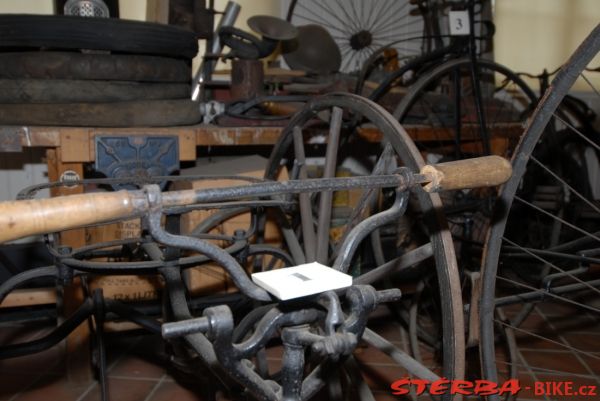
x=77, y=344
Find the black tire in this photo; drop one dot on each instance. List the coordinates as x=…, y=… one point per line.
x=72, y=91
x=154, y=113
x=75, y=65
x=69, y=32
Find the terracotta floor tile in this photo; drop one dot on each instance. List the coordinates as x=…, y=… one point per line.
x=534, y=322
x=593, y=363
x=10, y=384
x=539, y=339
x=573, y=323
x=48, y=361
x=134, y=366
x=387, y=327
x=275, y=351
x=370, y=355
x=52, y=388
x=584, y=342
x=550, y=308
x=559, y=361
x=122, y=390
x=380, y=377
x=173, y=391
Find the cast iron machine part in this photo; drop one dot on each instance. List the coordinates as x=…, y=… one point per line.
x=316, y=323
x=333, y=334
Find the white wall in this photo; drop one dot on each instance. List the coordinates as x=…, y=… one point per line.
x=26, y=6
x=132, y=9
x=535, y=34
x=249, y=8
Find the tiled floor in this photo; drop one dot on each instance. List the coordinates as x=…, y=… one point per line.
x=137, y=364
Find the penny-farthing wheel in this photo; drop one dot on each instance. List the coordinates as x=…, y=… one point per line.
x=361, y=27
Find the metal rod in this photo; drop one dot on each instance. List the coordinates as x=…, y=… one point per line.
x=288, y=187
x=542, y=293
x=232, y=10
x=306, y=216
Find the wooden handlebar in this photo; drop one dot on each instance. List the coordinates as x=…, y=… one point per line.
x=20, y=219
x=487, y=171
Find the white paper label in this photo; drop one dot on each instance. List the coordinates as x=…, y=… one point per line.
x=302, y=280
x=459, y=23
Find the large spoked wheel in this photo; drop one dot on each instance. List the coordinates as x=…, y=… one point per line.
x=546, y=221
x=449, y=121
x=325, y=219
x=361, y=27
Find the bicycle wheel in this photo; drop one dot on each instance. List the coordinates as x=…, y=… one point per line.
x=545, y=235
x=360, y=27
x=441, y=108
x=322, y=228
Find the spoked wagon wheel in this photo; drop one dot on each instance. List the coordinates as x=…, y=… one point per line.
x=325, y=219
x=361, y=27
x=544, y=242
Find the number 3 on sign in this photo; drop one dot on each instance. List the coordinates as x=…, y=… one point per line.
x=459, y=22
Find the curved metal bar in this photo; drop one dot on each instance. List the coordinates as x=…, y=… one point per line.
x=18, y=280
x=56, y=336
x=218, y=255
x=269, y=324
x=143, y=267
x=364, y=228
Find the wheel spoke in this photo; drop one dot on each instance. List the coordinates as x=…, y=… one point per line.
x=306, y=216
x=412, y=366
x=324, y=217
x=552, y=265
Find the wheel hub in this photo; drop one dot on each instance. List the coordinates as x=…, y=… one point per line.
x=361, y=39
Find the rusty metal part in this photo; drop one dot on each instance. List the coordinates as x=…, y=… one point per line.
x=390, y=60
x=247, y=79
x=328, y=333
x=93, y=66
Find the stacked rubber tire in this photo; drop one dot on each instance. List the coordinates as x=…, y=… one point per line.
x=100, y=72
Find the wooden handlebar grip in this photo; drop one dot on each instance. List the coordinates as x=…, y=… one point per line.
x=20, y=219
x=478, y=172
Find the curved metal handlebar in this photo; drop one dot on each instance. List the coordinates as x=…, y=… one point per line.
x=23, y=218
